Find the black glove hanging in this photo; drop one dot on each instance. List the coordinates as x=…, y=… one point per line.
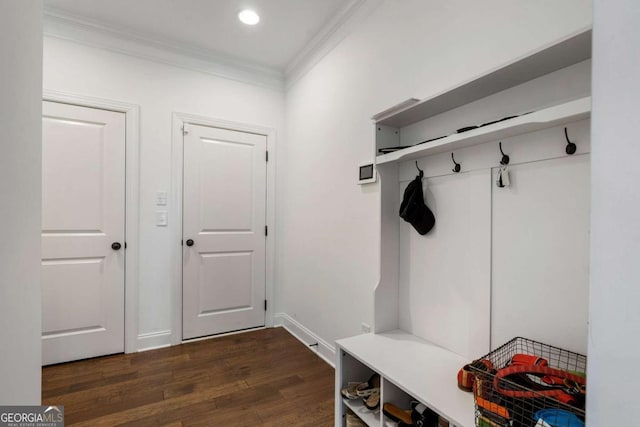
x=413, y=210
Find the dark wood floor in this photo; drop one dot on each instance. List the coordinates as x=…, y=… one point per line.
x=260, y=378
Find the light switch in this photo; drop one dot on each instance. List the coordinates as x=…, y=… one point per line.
x=161, y=198
x=162, y=218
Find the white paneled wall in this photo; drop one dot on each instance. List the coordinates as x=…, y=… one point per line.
x=445, y=275
x=501, y=262
x=540, y=254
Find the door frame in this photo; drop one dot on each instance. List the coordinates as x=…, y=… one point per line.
x=177, y=158
x=132, y=200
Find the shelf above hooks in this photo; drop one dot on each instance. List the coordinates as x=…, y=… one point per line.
x=571, y=50
x=578, y=109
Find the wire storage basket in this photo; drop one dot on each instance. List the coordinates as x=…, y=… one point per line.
x=525, y=383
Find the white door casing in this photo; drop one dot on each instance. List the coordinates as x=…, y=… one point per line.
x=224, y=214
x=83, y=213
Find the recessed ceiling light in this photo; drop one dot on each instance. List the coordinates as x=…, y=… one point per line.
x=249, y=17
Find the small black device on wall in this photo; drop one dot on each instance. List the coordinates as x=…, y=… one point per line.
x=366, y=173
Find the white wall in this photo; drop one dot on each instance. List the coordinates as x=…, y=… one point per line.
x=615, y=209
x=160, y=90
x=20, y=159
x=328, y=227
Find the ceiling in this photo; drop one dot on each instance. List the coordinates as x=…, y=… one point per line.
x=287, y=27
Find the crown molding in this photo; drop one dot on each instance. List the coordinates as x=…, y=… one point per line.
x=340, y=26
x=62, y=25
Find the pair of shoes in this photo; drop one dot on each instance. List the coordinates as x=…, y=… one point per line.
x=351, y=391
x=421, y=415
x=372, y=401
x=370, y=392
x=356, y=390
x=397, y=414
x=418, y=415
x=354, y=421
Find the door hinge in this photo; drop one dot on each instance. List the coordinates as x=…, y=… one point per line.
x=265, y=305
x=266, y=230
x=266, y=157
x=182, y=242
x=125, y=245
x=185, y=130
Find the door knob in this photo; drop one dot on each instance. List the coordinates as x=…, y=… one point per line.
x=116, y=246
x=190, y=242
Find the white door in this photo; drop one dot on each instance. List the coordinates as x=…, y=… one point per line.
x=83, y=212
x=223, y=231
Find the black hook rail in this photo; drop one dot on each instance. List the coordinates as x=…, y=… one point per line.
x=420, y=171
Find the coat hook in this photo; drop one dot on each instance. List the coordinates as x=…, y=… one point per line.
x=456, y=168
x=419, y=170
x=505, y=159
x=571, y=147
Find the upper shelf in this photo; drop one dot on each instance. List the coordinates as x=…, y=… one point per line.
x=569, y=51
x=542, y=119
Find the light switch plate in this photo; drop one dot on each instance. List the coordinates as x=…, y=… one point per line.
x=161, y=198
x=162, y=218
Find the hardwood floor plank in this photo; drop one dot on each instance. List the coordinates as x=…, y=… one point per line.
x=177, y=415
x=258, y=378
x=99, y=381
x=305, y=410
x=104, y=411
x=158, y=407
x=146, y=389
x=98, y=395
x=225, y=417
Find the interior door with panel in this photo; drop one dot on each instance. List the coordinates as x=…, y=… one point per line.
x=83, y=229
x=224, y=251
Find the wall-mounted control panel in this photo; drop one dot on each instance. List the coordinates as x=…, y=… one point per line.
x=367, y=173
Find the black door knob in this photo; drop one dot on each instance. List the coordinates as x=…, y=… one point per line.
x=189, y=242
x=116, y=246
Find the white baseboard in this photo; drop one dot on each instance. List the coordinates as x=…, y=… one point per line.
x=154, y=340
x=324, y=350
x=211, y=337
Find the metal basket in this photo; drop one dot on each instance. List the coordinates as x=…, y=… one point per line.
x=511, y=395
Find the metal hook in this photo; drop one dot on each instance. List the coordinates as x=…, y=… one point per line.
x=419, y=170
x=456, y=168
x=571, y=147
x=505, y=159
